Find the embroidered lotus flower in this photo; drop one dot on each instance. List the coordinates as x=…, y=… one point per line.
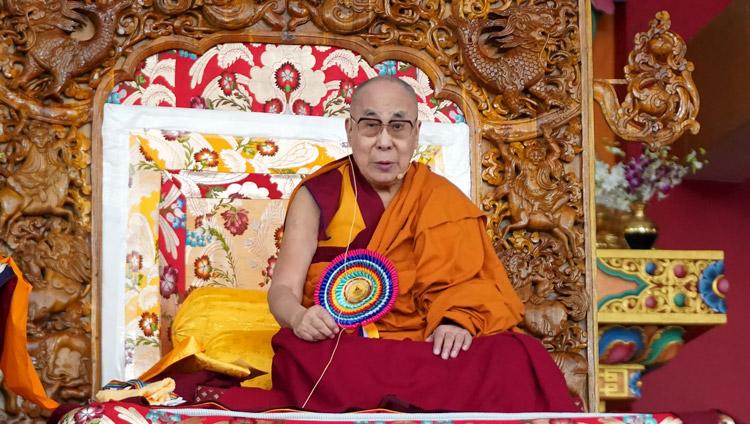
x=135, y=261
x=168, y=281
x=235, y=220
x=198, y=102
x=207, y=158
x=300, y=107
x=287, y=77
x=273, y=106
x=267, y=148
x=346, y=90
x=289, y=73
x=149, y=323
x=203, y=268
x=227, y=82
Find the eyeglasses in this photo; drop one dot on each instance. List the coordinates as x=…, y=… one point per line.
x=371, y=127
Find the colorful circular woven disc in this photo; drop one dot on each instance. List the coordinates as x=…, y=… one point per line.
x=357, y=288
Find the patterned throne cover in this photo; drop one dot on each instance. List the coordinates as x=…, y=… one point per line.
x=200, y=199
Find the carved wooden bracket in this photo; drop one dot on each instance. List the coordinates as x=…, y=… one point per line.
x=662, y=101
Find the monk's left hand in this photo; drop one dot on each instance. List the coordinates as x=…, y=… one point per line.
x=448, y=340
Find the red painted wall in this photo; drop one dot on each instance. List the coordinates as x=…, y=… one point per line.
x=688, y=16
x=713, y=370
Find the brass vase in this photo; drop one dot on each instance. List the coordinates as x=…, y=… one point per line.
x=639, y=230
x=609, y=227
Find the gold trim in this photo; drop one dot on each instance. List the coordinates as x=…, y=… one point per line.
x=660, y=254
x=636, y=367
x=625, y=318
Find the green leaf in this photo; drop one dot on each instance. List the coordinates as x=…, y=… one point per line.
x=282, y=171
x=140, y=80
x=213, y=192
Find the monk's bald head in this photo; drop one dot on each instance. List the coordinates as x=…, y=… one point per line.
x=370, y=88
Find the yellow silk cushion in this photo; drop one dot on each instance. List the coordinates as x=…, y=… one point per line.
x=234, y=325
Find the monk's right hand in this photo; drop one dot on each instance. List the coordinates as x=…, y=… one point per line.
x=314, y=324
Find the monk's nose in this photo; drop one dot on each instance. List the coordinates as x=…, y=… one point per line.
x=384, y=140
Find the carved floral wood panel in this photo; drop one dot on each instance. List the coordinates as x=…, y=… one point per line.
x=513, y=66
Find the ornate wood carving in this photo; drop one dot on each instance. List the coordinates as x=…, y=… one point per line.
x=661, y=101
x=513, y=65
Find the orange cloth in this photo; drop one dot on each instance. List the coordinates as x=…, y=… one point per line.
x=20, y=375
x=447, y=268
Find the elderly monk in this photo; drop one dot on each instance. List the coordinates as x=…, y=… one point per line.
x=453, y=288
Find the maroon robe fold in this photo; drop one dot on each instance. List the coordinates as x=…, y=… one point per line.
x=507, y=372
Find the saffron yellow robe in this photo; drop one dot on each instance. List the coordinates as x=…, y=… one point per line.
x=447, y=268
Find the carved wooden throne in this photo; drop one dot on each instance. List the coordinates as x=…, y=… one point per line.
x=516, y=71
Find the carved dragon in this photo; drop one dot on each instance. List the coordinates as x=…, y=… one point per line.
x=50, y=48
x=526, y=33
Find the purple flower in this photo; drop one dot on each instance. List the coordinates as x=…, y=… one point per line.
x=198, y=102
x=173, y=135
x=168, y=281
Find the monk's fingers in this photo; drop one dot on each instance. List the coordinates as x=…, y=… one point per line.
x=437, y=341
x=303, y=335
x=462, y=342
x=468, y=338
x=313, y=334
x=448, y=343
x=322, y=315
x=319, y=326
x=458, y=343
x=329, y=322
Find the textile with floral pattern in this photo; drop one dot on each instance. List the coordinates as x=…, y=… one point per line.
x=300, y=80
x=207, y=210
x=128, y=413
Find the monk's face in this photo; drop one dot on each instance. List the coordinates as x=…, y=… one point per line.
x=383, y=132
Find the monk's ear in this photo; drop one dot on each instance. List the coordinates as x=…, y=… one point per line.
x=416, y=134
x=349, y=127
